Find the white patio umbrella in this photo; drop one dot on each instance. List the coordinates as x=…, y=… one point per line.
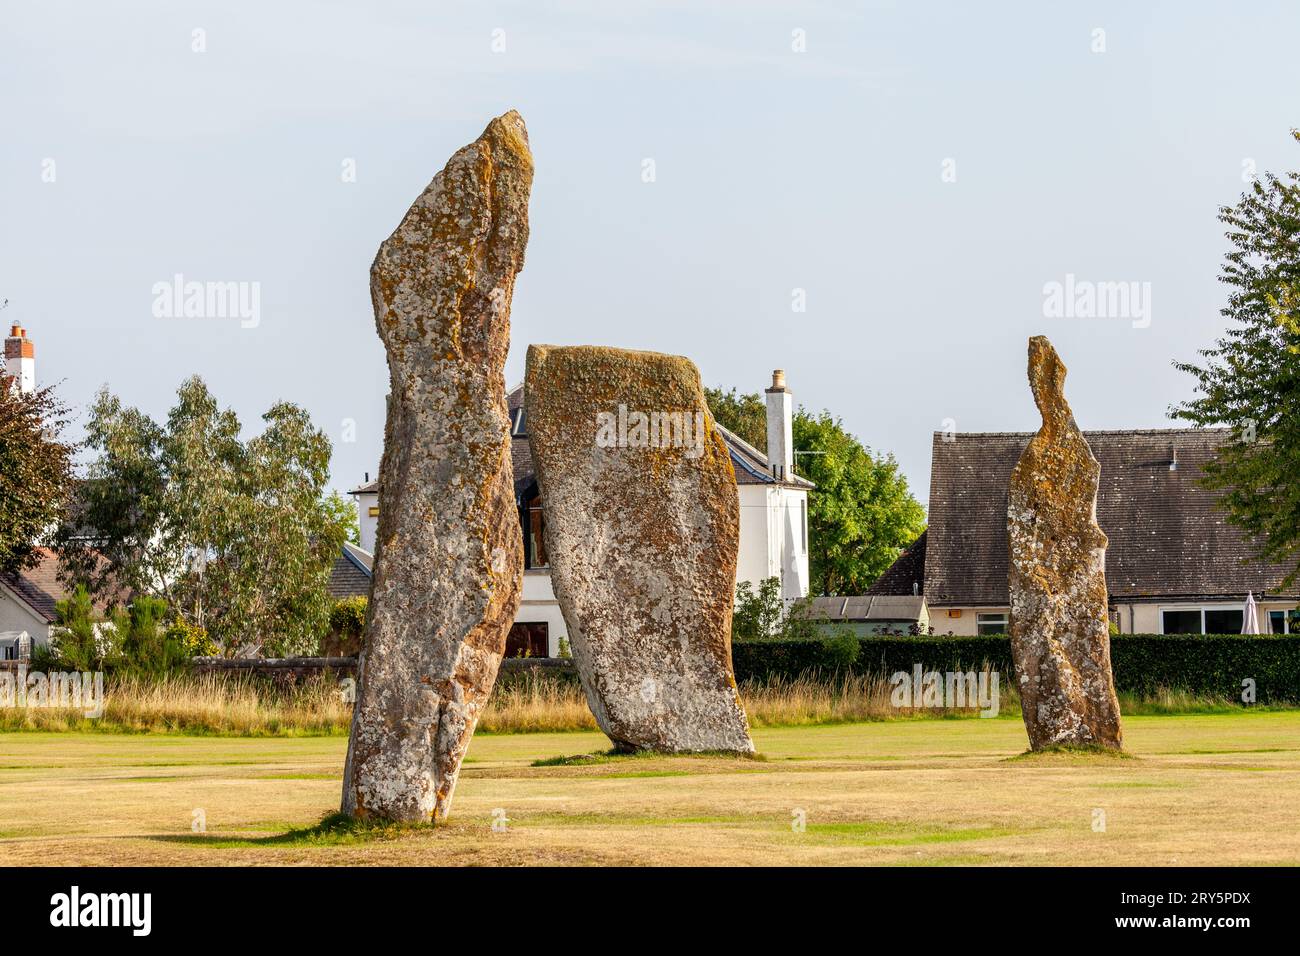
x=1250, y=619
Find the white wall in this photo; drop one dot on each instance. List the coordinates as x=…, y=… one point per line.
x=369, y=524
x=537, y=605
x=16, y=615
x=772, y=538
x=1133, y=618
x=1147, y=619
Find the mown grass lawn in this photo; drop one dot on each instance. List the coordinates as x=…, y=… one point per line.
x=1207, y=789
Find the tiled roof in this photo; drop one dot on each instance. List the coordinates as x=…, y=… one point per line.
x=351, y=573
x=1168, y=540
x=906, y=576
x=39, y=587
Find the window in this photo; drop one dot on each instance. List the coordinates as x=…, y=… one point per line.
x=528, y=640
x=1181, y=622
x=1224, y=620
x=991, y=623
x=373, y=511
x=1202, y=620
x=535, y=552
x=1284, y=622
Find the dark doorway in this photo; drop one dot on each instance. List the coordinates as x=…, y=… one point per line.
x=528, y=640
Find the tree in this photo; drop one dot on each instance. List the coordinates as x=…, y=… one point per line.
x=743, y=415
x=763, y=615
x=861, y=514
x=35, y=472
x=1250, y=380
x=237, y=537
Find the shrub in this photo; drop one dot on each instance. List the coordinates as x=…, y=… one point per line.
x=841, y=650
x=149, y=648
x=348, y=616
x=763, y=615
x=1212, y=664
x=79, y=642
x=347, y=624
x=193, y=638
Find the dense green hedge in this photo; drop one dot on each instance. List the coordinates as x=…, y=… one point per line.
x=1206, y=664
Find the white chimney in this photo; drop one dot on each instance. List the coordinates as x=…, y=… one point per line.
x=780, y=440
x=20, y=359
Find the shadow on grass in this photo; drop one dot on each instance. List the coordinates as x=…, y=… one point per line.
x=618, y=756
x=336, y=829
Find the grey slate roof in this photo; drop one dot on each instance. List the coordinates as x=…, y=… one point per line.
x=1168, y=540
x=907, y=574
x=871, y=607
x=351, y=573
x=40, y=588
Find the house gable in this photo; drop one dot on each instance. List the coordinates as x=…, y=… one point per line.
x=1168, y=538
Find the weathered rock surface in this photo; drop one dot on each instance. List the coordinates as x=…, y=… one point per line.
x=1060, y=635
x=449, y=557
x=642, y=529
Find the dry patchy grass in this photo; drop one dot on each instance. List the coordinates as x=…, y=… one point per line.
x=1212, y=789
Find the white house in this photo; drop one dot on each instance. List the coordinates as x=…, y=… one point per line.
x=20, y=360
x=26, y=608
x=27, y=600
x=1174, y=564
x=773, y=520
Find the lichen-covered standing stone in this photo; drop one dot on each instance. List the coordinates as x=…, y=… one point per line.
x=449, y=553
x=642, y=529
x=1060, y=629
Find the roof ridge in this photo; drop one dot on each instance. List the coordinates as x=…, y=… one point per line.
x=1090, y=431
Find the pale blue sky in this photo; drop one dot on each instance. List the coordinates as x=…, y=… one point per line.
x=775, y=170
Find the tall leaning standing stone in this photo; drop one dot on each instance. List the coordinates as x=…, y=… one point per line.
x=449, y=557
x=1060, y=633
x=642, y=530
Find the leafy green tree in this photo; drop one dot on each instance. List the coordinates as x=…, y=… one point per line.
x=236, y=537
x=35, y=472
x=79, y=641
x=743, y=415
x=1250, y=380
x=345, y=512
x=148, y=646
x=763, y=615
x=861, y=515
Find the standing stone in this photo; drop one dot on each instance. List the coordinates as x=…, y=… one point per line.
x=449, y=553
x=642, y=528
x=1060, y=629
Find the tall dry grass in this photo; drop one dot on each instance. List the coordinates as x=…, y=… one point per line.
x=228, y=705
x=217, y=704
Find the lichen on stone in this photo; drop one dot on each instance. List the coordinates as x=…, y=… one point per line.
x=1060, y=625
x=449, y=552
x=643, y=543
